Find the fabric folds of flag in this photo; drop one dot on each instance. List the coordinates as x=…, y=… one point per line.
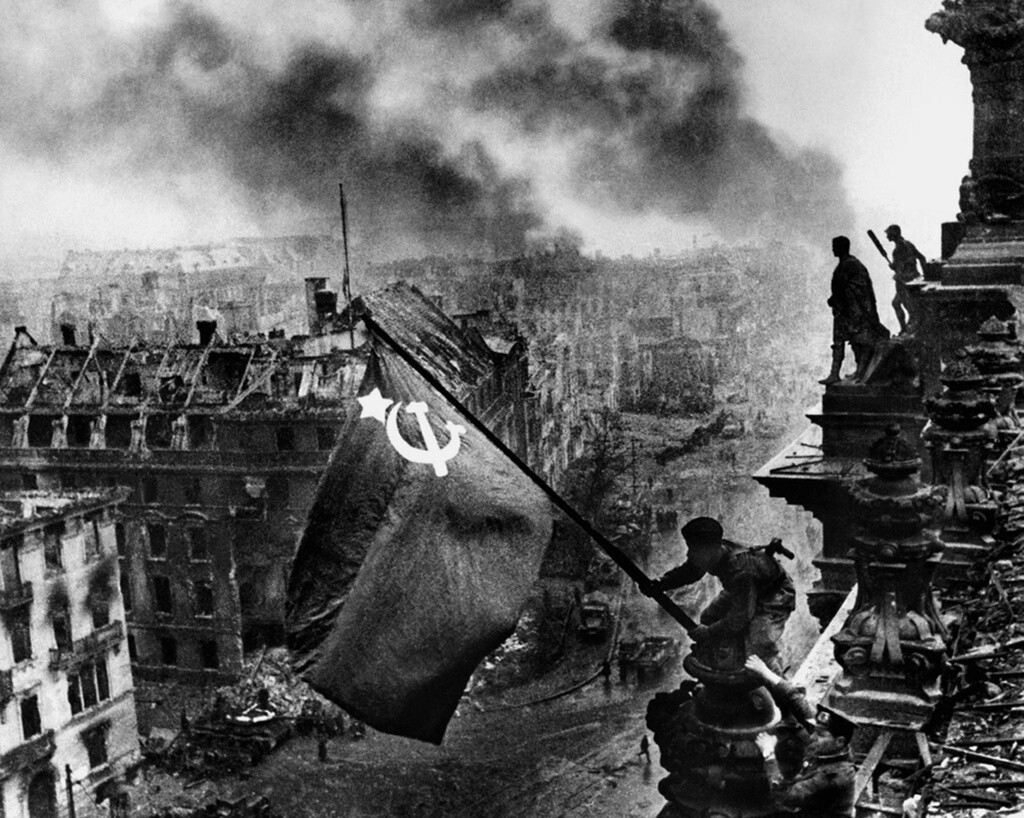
x=405, y=580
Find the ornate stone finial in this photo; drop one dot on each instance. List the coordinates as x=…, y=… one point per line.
x=961, y=374
x=891, y=648
x=893, y=504
x=891, y=454
x=994, y=28
x=994, y=330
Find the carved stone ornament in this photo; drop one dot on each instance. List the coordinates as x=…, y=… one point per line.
x=987, y=30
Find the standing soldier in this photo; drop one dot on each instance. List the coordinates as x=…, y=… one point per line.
x=905, y=257
x=854, y=312
x=757, y=594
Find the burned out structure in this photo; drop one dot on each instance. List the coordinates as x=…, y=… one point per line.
x=250, y=285
x=67, y=709
x=221, y=447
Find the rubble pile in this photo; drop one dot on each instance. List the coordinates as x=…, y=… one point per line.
x=289, y=696
x=976, y=770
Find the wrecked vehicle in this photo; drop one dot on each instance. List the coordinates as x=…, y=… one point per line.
x=656, y=655
x=595, y=617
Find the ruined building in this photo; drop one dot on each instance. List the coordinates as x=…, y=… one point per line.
x=249, y=285
x=221, y=446
x=67, y=710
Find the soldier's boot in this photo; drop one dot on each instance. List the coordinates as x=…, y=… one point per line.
x=838, y=353
x=863, y=353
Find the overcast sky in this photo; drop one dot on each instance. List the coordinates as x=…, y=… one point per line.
x=861, y=79
x=866, y=80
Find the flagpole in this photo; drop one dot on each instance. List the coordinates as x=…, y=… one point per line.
x=632, y=570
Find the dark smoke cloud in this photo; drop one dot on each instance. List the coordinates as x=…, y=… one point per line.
x=645, y=112
x=650, y=147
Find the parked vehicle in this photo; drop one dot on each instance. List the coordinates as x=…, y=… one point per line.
x=595, y=617
x=656, y=655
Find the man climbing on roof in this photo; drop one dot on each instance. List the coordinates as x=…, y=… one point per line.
x=757, y=594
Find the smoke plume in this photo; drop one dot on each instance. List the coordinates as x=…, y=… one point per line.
x=457, y=125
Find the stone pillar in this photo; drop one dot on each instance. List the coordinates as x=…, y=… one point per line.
x=982, y=268
x=991, y=32
x=999, y=358
x=893, y=645
x=705, y=734
x=960, y=436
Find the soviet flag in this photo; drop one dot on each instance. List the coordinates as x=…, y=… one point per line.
x=416, y=560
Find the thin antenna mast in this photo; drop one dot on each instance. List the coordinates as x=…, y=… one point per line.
x=346, y=287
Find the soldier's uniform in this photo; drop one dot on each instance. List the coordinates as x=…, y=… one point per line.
x=904, y=268
x=854, y=311
x=757, y=598
x=824, y=790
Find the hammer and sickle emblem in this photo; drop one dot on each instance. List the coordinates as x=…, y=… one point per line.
x=376, y=406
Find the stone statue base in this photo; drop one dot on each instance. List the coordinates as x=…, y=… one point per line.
x=706, y=738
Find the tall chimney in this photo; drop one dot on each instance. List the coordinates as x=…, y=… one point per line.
x=313, y=286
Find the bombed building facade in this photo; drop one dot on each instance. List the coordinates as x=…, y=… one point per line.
x=220, y=447
x=68, y=726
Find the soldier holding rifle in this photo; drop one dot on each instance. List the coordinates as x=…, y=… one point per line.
x=905, y=259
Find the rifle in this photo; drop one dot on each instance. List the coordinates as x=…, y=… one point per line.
x=878, y=245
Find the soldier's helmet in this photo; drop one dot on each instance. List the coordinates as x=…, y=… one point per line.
x=893, y=230
x=702, y=531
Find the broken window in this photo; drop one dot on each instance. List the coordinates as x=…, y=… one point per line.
x=100, y=613
x=31, y=724
x=200, y=431
x=87, y=681
x=74, y=694
x=119, y=536
x=79, y=431
x=285, y=439
x=157, y=541
x=162, y=594
x=158, y=431
x=91, y=538
x=325, y=438
x=208, y=654
x=61, y=627
x=102, y=680
x=197, y=545
x=126, y=591
x=169, y=650
x=149, y=490
x=119, y=432
x=95, y=741
x=21, y=635
x=40, y=431
x=204, y=598
x=29, y=482
x=52, y=550
x=132, y=384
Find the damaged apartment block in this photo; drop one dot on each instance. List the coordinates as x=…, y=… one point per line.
x=221, y=446
x=67, y=708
